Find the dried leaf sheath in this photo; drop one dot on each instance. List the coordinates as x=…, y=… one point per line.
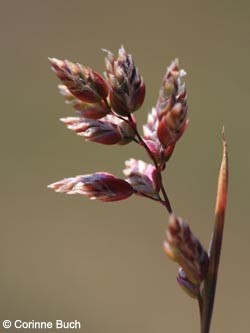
x=209, y=289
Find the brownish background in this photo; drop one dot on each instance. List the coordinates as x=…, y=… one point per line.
x=71, y=258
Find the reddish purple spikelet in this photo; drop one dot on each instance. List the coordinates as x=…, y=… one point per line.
x=87, y=110
x=168, y=120
x=150, y=135
x=142, y=177
x=183, y=247
x=172, y=106
x=193, y=290
x=82, y=81
x=100, y=185
x=127, y=88
x=108, y=130
x=160, y=152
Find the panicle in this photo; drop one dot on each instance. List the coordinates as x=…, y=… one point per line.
x=105, y=107
x=142, y=177
x=100, y=185
x=183, y=247
x=108, y=130
x=127, y=88
x=84, y=83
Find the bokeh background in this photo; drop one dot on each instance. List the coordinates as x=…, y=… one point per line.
x=66, y=257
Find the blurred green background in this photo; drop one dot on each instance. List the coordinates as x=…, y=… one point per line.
x=66, y=257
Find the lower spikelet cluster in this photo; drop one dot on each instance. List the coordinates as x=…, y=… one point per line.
x=184, y=248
